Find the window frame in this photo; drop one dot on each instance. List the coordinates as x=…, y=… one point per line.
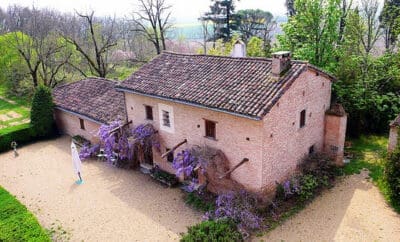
x=82, y=123
x=207, y=129
x=149, y=112
x=303, y=117
x=162, y=108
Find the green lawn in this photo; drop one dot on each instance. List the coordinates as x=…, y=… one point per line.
x=370, y=152
x=16, y=222
x=14, y=111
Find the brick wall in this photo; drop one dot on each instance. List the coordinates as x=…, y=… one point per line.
x=275, y=144
x=70, y=124
x=285, y=142
x=393, y=138
x=335, y=135
x=231, y=134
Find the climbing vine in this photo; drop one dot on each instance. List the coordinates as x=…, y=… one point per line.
x=122, y=145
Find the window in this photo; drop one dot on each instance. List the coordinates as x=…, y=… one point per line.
x=311, y=150
x=302, y=118
x=82, y=123
x=149, y=112
x=170, y=156
x=210, y=129
x=165, y=118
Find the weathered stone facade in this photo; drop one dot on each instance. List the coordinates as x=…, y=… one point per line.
x=69, y=124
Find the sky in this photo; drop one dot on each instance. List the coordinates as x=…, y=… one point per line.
x=184, y=11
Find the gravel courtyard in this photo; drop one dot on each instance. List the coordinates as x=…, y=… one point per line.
x=112, y=204
x=121, y=205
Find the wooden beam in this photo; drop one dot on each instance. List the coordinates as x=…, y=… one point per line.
x=234, y=168
x=173, y=148
x=117, y=128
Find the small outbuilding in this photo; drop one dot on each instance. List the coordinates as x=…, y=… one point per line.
x=82, y=107
x=394, y=134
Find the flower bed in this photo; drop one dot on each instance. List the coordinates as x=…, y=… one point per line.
x=164, y=177
x=251, y=213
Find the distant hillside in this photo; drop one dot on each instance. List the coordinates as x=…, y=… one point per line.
x=193, y=31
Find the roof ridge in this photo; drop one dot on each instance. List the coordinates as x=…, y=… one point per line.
x=219, y=56
x=86, y=79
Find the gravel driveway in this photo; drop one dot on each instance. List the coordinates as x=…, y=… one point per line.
x=354, y=210
x=112, y=204
x=122, y=205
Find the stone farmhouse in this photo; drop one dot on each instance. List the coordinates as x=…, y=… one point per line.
x=263, y=114
x=394, y=134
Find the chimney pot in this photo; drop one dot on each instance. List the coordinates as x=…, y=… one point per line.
x=280, y=63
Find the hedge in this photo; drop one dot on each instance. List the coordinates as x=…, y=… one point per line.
x=21, y=134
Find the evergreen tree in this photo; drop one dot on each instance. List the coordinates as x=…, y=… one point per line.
x=42, y=120
x=222, y=15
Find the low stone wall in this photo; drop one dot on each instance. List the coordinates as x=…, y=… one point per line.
x=393, y=138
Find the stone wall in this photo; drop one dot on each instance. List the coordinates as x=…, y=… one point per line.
x=69, y=124
x=393, y=138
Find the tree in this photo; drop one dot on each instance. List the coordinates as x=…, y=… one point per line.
x=153, y=20
x=93, y=39
x=255, y=47
x=42, y=120
x=257, y=23
x=390, y=23
x=290, y=7
x=312, y=33
x=346, y=6
x=36, y=40
x=222, y=15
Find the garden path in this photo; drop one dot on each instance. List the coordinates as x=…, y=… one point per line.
x=112, y=204
x=354, y=210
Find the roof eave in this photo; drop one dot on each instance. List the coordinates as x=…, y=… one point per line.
x=322, y=72
x=80, y=115
x=124, y=89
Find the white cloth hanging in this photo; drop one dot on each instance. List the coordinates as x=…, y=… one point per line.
x=76, y=161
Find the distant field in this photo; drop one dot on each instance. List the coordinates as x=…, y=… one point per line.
x=13, y=111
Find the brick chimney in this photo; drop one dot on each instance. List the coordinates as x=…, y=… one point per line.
x=239, y=49
x=280, y=63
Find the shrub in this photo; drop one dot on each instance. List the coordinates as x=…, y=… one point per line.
x=163, y=176
x=320, y=165
x=204, y=201
x=240, y=207
x=87, y=151
x=308, y=185
x=21, y=134
x=392, y=176
x=220, y=230
x=42, y=120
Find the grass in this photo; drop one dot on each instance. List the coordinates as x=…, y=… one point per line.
x=370, y=153
x=13, y=110
x=16, y=222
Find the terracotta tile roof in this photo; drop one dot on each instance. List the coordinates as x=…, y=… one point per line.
x=95, y=98
x=396, y=121
x=242, y=86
